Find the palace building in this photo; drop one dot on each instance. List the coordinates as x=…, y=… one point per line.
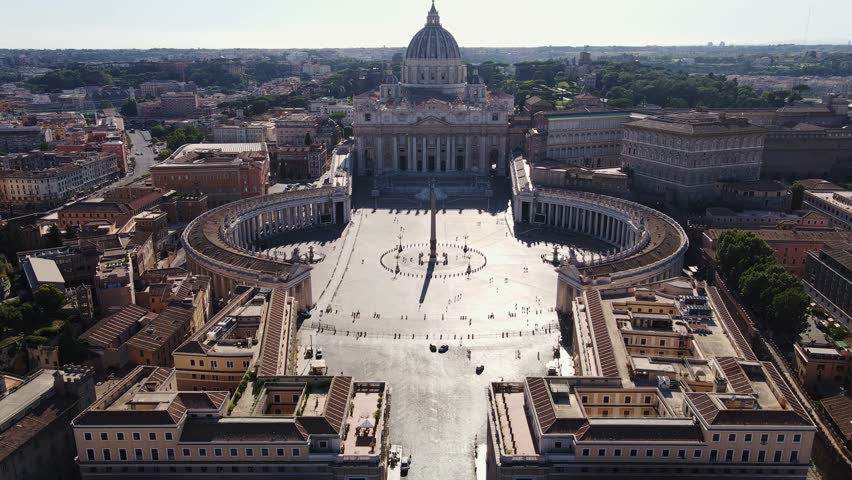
x=437, y=120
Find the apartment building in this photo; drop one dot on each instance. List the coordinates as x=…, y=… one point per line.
x=821, y=365
x=162, y=287
x=586, y=136
x=153, y=345
x=682, y=157
x=723, y=217
x=225, y=172
x=63, y=177
x=257, y=327
x=113, y=281
x=35, y=415
x=179, y=104
x=836, y=205
x=249, y=132
x=667, y=386
x=828, y=280
x=107, y=339
x=20, y=139
x=300, y=162
x=293, y=428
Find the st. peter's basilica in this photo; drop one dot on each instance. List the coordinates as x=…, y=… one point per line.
x=436, y=120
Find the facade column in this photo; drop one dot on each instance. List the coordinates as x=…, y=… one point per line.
x=380, y=162
x=395, y=166
x=482, y=156
x=468, y=159
x=424, y=154
x=452, y=152
x=409, y=152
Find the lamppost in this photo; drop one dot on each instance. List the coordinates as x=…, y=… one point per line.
x=465, y=242
x=399, y=249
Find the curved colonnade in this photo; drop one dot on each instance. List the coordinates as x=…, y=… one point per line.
x=647, y=246
x=223, y=243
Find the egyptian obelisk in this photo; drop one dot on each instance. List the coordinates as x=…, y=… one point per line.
x=433, y=242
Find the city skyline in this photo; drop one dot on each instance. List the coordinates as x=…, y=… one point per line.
x=267, y=24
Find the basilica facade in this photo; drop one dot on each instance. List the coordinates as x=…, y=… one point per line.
x=436, y=120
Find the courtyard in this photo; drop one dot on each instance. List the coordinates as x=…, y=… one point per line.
x=376, y=324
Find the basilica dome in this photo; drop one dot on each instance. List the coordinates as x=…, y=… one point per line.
x=433, y=42
x=433, y=61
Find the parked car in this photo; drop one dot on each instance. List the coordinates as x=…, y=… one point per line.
x=318, y=354
x=480, y=369
x=443, y=349
x=433, y=348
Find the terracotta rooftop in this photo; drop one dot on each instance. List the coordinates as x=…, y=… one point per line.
x=115, y=329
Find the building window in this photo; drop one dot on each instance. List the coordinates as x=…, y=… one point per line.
x=217, y=452
x=233, y=452
x=715, y=437
x=780, y=438
x=601, y=452
x=155, y=454
x=90, y=454
x=585, y=452
x=170, y=453
x=324, y=444
x=747, y=438
x=368, y=117
x=264, y=452
x=280, y=452
x=729, y=455
x=138, y=453
x=697, y=453
x=761, y=456
x=296, y=452
x=744, y=457
x=732, y=437
x=714, y=455
x=107, y=455
x=777, y=456
x=249, y=452
x=137, y=436
x=606, y=399
x=617, y=452
x=797, y=438
x=87, y=436
x=665, y=452
x=764, y=438
x=104, y=436
x=119, y=436
x=152, y=436
x=794, y=456
x=186, y=452
x=122, y=454
x=681, y=454
x=202, y=452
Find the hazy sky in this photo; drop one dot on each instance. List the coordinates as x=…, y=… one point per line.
x=376, y=23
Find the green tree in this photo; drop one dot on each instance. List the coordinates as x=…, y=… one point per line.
x=49, y=298
x=130, y=108
x=158, y=131
x=71, y=232
x=762, y=282
x=737, y=251
x=787, y=313
x=105, y=104
x=798, y=196
x=53, y=237
x=164, y=154
x=9, y=316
